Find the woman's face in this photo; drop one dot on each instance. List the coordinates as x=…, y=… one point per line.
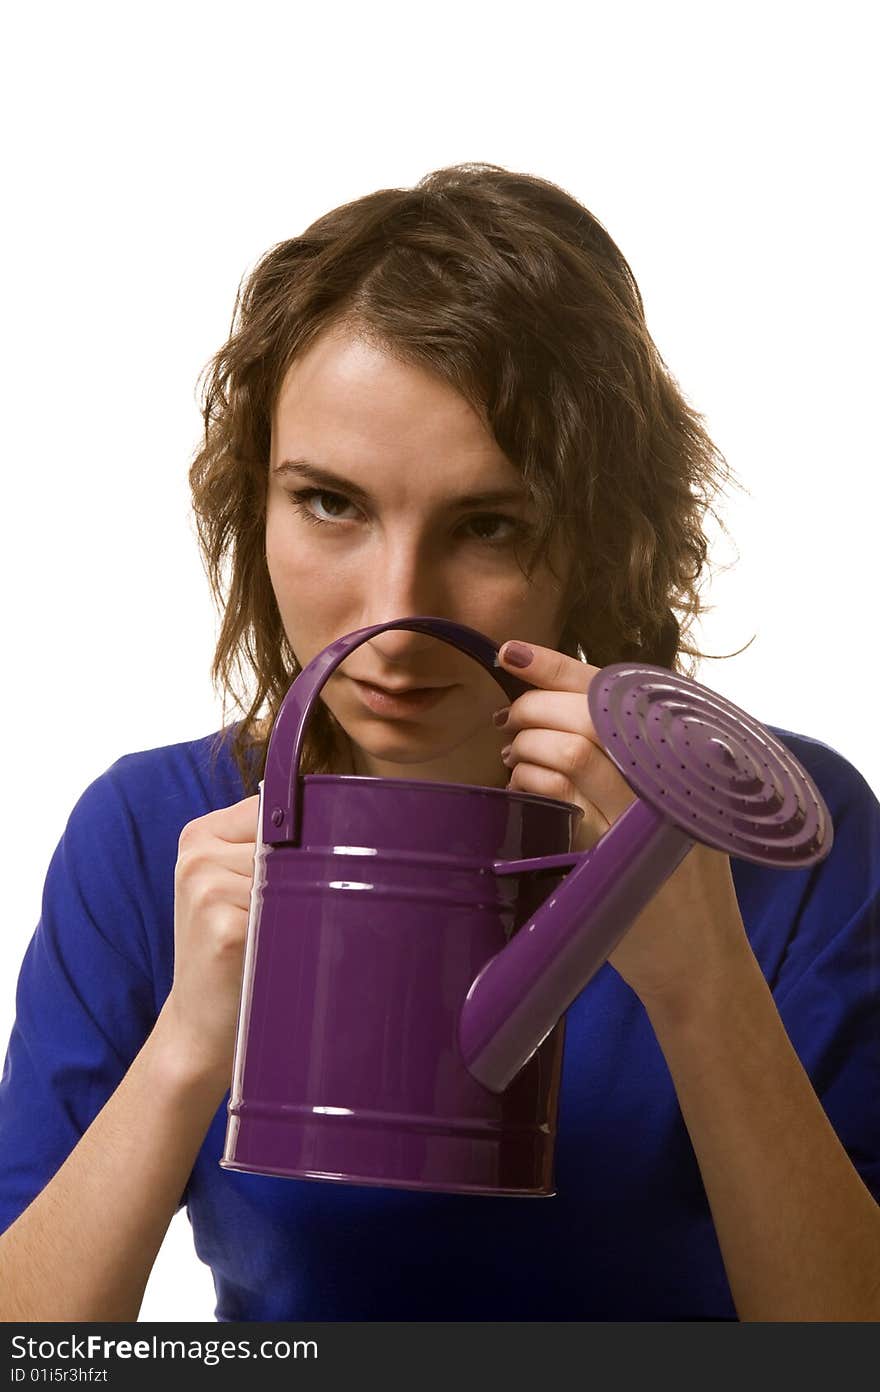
x=388, y=536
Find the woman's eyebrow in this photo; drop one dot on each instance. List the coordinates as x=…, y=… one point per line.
x=327, y=479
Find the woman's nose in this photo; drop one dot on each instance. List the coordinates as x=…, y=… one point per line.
x=403, y=586
x=403, y=648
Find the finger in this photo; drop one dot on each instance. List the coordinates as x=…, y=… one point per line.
x=545, y=667
x=552, y=710
x=232, y=890
x=235, y=823
x=579, y=763
x=547, y=782
x=211, y=854
x=238, y=857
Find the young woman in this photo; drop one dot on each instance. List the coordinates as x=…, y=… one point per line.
x=445, y=400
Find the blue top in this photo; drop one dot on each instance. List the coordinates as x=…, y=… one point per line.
x=628, y=1236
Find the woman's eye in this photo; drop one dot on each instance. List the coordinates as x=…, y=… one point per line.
x=491, y=520
x=302, y=500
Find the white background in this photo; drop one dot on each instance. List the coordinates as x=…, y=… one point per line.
x=152, y=155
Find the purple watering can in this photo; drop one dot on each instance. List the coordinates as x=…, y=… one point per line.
x=412, y=946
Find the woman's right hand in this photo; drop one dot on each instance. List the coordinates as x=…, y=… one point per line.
x=212, y=888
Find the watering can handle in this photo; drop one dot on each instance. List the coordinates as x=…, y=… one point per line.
x=282, y=786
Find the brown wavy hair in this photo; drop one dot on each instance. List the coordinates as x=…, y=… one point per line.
x=507, y=287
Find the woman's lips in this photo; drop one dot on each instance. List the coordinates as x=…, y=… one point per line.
x=402, y=704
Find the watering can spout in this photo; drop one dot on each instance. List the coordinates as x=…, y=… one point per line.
x=522, y=992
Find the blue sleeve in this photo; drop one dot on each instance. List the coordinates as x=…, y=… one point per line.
x=828, y=990
x=85, y=1000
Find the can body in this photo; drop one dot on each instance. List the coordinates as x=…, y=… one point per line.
x=358, y=959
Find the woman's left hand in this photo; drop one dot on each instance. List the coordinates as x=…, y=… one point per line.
x=691, y=933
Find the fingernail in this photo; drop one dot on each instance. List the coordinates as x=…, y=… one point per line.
x=500, y=716
x=517, y=654
x=505, y=751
